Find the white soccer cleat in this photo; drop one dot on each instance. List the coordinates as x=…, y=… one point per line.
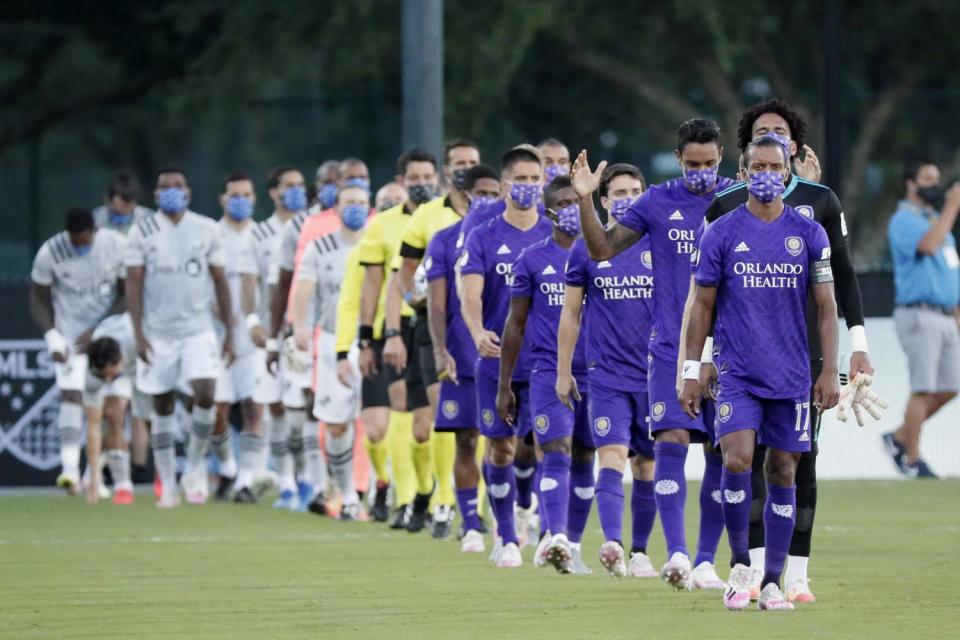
x=640, y=566
x=704, y=576
x=540, y=555
x=195, y=487
x=472, y=542
x=559, y=555
x=169, y=501
x=756, y=578
x=798, y=591
x=524, y=521
x=736, y=597
x=509, y=557
x=497, y=546
x=611, y=557
x=676, y=572
x=772, y=599
x=578, y=566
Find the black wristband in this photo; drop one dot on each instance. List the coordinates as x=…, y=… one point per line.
x=341, y=355
x=366, y=332
x=391, y=333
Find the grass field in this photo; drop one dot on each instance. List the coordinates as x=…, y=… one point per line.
x=885, y=565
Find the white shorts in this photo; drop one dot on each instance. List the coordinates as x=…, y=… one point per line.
x=294, y=382
x=238, y=382
x=72, y=373
x=95, y=391
x=268, y=388
x=334, y=403
x=195, y=357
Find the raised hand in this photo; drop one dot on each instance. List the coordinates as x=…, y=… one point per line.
x=583, y=179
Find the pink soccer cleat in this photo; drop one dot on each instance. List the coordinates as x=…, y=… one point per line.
x=736, y=597
x=772, y=599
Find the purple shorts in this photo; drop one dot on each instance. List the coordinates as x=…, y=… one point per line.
x=620, y=418
x=665, y=411
x=490, y=423
x=458, y=406
x=780, y=424
x=551, y=419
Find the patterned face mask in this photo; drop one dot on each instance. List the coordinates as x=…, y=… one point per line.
x=701, y=180
x=552, y=171
x=327, y=195
x=239, y=208
x=354, y=216
x=525, y=195
x=295, y=198
x=765, y=186
x=568, y=220
x=620, y=207
x=172, y=200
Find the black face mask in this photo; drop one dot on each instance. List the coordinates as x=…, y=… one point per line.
x=932, y=195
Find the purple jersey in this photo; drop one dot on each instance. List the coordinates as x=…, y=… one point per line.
x=480, y=213
x=670, y=214
x=538, y=275
x=618, y=313
x=490, y=251
x=761, y=271
x=440, y=262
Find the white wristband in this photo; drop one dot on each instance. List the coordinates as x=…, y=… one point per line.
x=858, y=339
x=273, y=345
x=707, y=356
x=691, y=370
x=56, y=343
x=252, y=320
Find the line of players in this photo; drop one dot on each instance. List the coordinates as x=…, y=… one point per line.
x=440, y=317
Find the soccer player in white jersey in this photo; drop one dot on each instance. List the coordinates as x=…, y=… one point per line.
x=172, y=257
x=107, y=391
x=236, y=382
x=121, y=208
x=337, y=397
x=77, y=280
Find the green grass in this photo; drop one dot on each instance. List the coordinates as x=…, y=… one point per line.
x=885, y=565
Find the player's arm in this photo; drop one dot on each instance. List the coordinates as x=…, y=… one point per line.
x=826, y=390
x=41, y=308
x=369, y=298
x=437, y=324
x=701, y=314
x=567, y=335
x=134, y=297
x=510, y=345
x=932, y=241
x=278, y=302
x=602, y=244
x=94, y=413
x=301, y=303
x=222, y=290
x=471, y=306
x=708, y=372
x=394, y=350
x=408, y=269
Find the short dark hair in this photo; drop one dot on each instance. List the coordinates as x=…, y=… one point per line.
x=170, y=168
x=518, y=154
x=79, y=220
x=273, y=177
x=913, y=166
x=103, y=352
x=616, y=170
x=558, y=183
x=550, y=142
x=763, y=142
x=455, y=143
x=414, y=155
x=347, y=162
x=478, y=172
x=234, y=176
x=125, y=185
x=698, y=131
x=798, y=126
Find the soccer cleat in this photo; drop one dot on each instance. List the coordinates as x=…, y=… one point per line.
x=104, y=492
x=527, y=522
x=509, y=557
x=442, y=525
x=920, y=469
x=318, y=504
x=558, y=554
x=772, y=599
x=756, y=578
x=578, y=566
x=736, y=597
x=263, y=483
x=799, y=591
x=305, y=495
x=676, y=572
x=195, y=487
x=399, y=518
x=245, y=496
x=417, y=518
x=223, y=488
x=168, y=502
x=472, y=542
x=497, y=546
x=704, y=576
x=896, y=453
x=611, y=557
x=540, y=555
x=640, y=566
x=123, y=496
x=69, y=482
x=379, y=511
x=350, y=512
x=157, y=487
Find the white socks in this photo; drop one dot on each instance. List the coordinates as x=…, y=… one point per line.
x=70, y=431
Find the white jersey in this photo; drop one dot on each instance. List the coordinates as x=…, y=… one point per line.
x=101, y=217
x=266, y=241
x=240, y=261
x=324, y=262
x=289, y=237
x=120, y=328
x=83, y=287
x=176, y=258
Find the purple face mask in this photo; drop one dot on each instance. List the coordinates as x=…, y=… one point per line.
x=783, y=141
x=568, y=220
x=765, y=186
x=552, y=171
x=620, y=207
x=525, y=195
x=701, y=180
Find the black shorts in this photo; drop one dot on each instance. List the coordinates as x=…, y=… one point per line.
x=425, y=373
x=373, y=390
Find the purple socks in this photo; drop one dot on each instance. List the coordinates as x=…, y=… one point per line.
x=502, y=489
x=581, y=498
x=610, y=503
x=711, y=509
x=524, y=472
x=467, y=503
x=670, y=489
x=779, y=517
x=643, y=508
x=737, y=496
x=555, y=490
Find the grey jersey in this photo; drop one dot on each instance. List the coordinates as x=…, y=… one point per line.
x=120, y=328
x=101, y=216
x=177, y=289
x=289, y=237
x=240, y=261
x=324, y=262
x=266, y=240
x=83, y=287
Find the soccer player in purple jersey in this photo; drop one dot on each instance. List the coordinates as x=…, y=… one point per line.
x=755, y=265
x=616, y=322
x=562, y=432
x=455, y=355
x=670, y=213
x=486, y=267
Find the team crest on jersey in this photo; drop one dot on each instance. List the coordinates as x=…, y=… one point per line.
x=794, y=245
x=450, y=409
x=193, y=267
x=487, y=416
x=805, y=210
x=657, y=411
x=105, y=289
x=541, y=423
x=601, y=426
x=647, y=259
x=724, y=411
